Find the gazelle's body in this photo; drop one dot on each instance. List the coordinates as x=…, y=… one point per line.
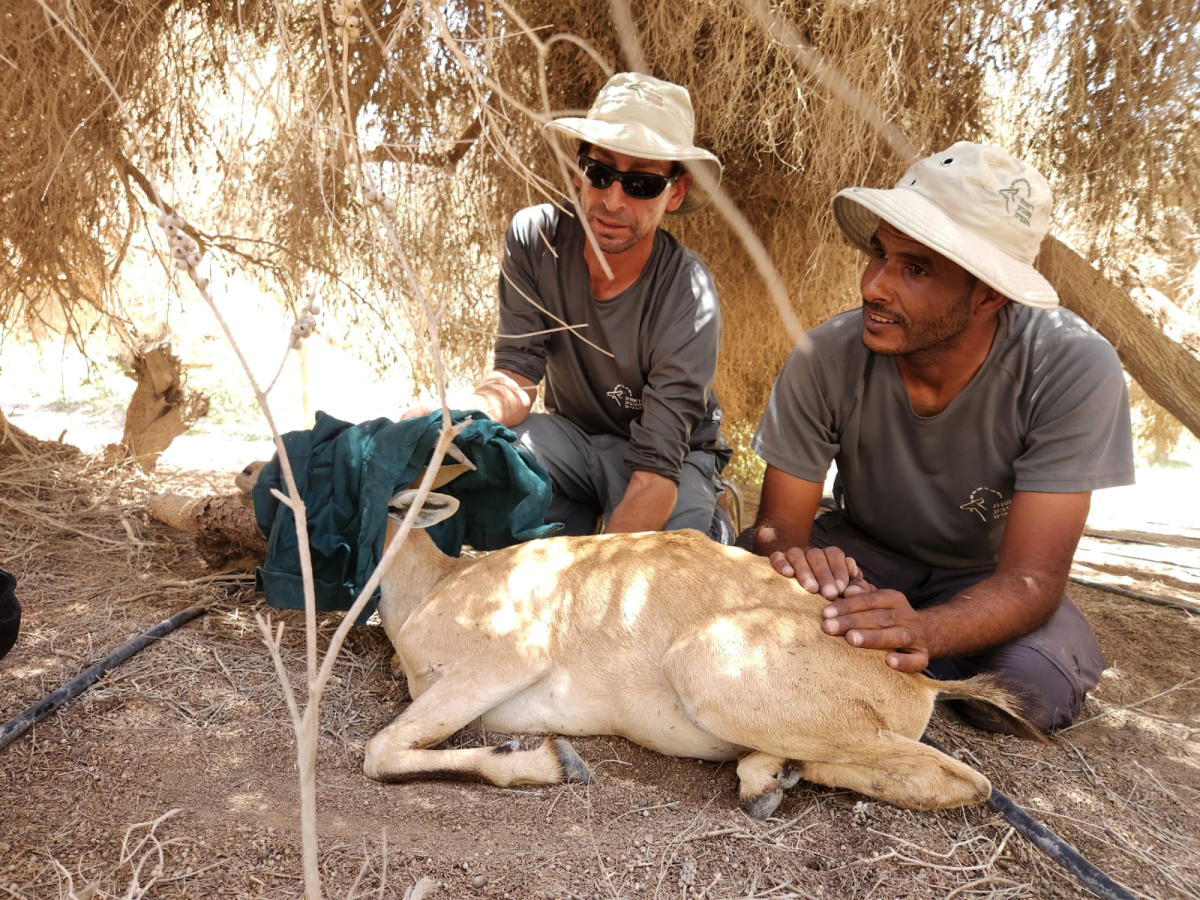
x=675, y=642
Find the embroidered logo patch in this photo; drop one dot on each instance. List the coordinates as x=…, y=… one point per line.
x=1016, y=200
x=624, y=398
x=989, y=505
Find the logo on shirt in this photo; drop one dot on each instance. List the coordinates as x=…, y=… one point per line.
x=989, y=505
x=624, y=398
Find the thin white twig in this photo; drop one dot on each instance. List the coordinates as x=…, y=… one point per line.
x=1132, y=705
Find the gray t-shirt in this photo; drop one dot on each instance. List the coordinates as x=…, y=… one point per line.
x=1047, y=411
x=663, y=331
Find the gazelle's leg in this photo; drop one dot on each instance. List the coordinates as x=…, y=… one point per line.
x=902, y=771
x=396, y=752
x=762, y=779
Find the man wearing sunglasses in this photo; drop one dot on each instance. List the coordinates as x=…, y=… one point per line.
x=620, y=321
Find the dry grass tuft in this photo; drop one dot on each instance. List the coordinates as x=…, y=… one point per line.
x=1103, y=96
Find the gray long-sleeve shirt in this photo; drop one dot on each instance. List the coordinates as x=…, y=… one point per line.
x=663, y=331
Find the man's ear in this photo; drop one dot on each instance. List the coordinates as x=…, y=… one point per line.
x=988, y=300
x=678, y=191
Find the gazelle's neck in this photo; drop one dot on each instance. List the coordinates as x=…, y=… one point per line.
x=418, y=567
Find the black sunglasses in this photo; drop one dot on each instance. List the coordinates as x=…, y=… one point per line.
x=638, y=185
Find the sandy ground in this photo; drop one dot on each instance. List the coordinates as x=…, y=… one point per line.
x=175, y=775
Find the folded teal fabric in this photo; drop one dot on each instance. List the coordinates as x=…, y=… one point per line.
x=346, y=474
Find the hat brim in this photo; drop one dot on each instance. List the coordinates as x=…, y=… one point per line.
x=639, y=141
x=859, y=210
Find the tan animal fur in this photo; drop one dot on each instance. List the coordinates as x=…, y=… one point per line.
x=677, y=643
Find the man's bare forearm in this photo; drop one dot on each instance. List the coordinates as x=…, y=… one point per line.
x=995, y=611
x=504, y=397
x=787, y=505
x=1040, y=537
x=647, y=505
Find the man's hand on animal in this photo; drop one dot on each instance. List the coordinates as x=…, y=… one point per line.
x=880, y=620
x=821, y=570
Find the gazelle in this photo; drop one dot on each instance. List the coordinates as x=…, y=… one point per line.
x=680, y=644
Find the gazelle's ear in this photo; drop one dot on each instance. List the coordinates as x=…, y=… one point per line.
x=437, y=508
x=245, y=479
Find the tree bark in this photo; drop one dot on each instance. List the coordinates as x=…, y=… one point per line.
x=1167, y=371
x=226, y=531
x=13, y=439
x=161, y=408
x=226, y=520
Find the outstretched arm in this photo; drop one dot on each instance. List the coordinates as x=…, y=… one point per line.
x=505, y=396
x=1021, y=595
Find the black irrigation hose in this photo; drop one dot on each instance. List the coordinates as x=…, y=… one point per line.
x=1058, y=849
x=18, y=725
x=1052, y=845
x=1137, y=595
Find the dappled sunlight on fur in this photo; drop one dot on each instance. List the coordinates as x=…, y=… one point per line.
x=673, y=641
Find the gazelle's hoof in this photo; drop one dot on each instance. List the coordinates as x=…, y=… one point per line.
x=574, y=769
x=762, y=806
x=789, y=775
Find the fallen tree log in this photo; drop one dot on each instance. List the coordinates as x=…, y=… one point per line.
x=226, y=531
x=1167, y=371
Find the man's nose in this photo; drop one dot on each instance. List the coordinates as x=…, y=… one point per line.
x=613, y=197
x=878, y=281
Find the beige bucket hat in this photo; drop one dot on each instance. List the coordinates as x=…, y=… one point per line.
x=643, y=116
x=975, y=205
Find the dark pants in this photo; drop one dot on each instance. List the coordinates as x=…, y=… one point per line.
x=1052, y=668
x=589, y=476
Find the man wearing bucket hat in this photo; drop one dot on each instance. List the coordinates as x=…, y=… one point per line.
x=619, y=319
x=969, y=419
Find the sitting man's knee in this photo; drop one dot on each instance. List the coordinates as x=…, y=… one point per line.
x=1051, y=706
x=1046, y=696
x=1042, y=712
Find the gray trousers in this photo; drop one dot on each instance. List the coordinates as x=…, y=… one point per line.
x=1053, y=667
x=589, y=476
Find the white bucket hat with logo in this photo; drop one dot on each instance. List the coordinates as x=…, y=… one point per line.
x=639, y=115
x=975, y=205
